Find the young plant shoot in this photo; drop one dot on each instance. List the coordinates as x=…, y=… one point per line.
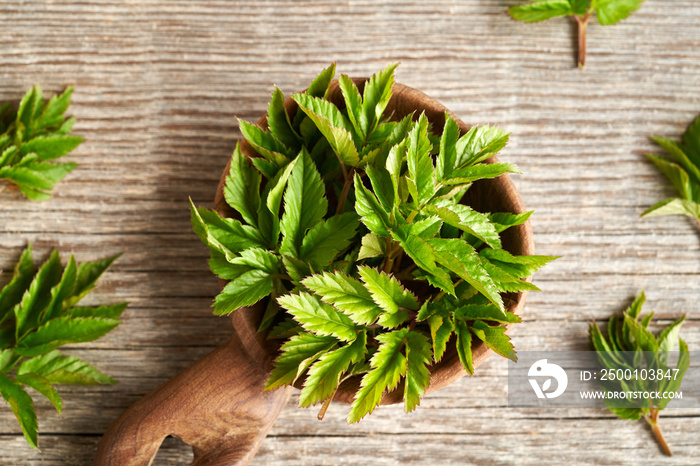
x=628, y=345
x=683, y=170
x=32, y=138
x=350, y=224
x=607, y=11
x=39, y=313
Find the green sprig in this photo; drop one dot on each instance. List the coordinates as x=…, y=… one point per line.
x=629, y=344
x=607, y=11
x=38, y=314
x=32, y=138
x=683, y=171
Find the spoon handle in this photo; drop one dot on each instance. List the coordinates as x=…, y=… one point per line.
x=217, y=406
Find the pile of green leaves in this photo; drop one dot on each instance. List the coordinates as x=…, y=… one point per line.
x=32, y=138
x=630, y=345
x=373, y=259
x=607, y=11
x=39, y=313
x=683, y=170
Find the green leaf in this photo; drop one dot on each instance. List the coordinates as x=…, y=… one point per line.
x=88, y=274
x=674, y=207
x=370, y=210
x=441, y=328
x=461, y=258
x=466, y=219
x=327, y=238
x=372, y=246
x=420, y=165
x=480, y=172
x=317, y=317
x=541, y=10
x=22, y=276
x=353, y=105
x=304, y=204
x=103, y=312
x=382, y=186
x=518, y=266
x=56, y=368
x=8, y=358
x=242, y=188
x=23, y=408
x=265, y=143
x=285, y=329
x=268, y=214
x=682, y=366
x=54, y=172
x=27, y=177
x=41, y=385
x=324, y=375
x=487, y=312
x=495, y=338
x=279, y=122
x=296, y=355
x=397, y=136
x=51, y=147
x=296, y=268
x=320, y=84
x=447, y=156
x=387, y=292
x=479, y=144
x=62, y=291
x=633, y=414
x=417, y=249
x=63, y=330
x=267, y=168
x=245, y=290
x=598, y=341
x=691, y=142
x=418, y=358
x=37, y=296
x=642, y=339
x=675, y=174
x=346, y=294
x=464, y=346
x=388, y=365
x=33, y=194
x=504, y=220
x=635, y=308
x=377, y=94
x=332, y=124
x=669, y=336
x=677, y=153
x=52, y=115
x=25, y=112
x=579, y=7
x=612, y=11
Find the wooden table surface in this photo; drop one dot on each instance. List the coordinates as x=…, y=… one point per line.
x=158, y=85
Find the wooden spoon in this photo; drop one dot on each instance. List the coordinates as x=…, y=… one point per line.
x=218, y=405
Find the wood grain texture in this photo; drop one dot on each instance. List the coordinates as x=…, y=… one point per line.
x=158, y=86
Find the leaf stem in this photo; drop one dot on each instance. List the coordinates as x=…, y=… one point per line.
x=652, y=419
x=326, y=404
x=582, y=23
x=344, y=193
x=397, y=262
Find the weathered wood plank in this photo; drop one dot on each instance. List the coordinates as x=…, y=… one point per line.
x=158, y=86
